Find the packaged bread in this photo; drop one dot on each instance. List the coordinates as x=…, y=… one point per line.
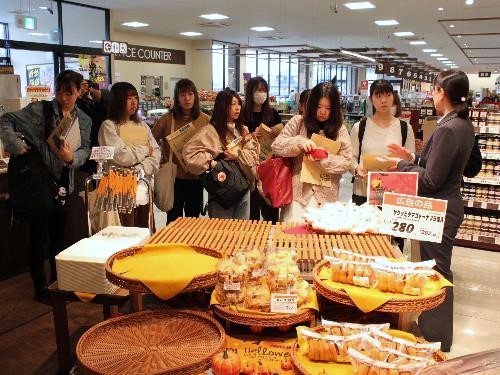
x=346, y=329
x=351, y=256
x=364, y=365
x=282, y=256
x=281, y=276
x=303, y=291
x=350, y=272
x=329, y=348
x=257, y=297
x=427, y=265
x=253, y=259
x=415, y=349
x=231, y=271
x=400, y=280
x=227, y=296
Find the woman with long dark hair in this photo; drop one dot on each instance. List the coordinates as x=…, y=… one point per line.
x=322, y=116
x=201, y=151
x=440, y=168
x=188, y=191
x=122, y=110
x=257, y=111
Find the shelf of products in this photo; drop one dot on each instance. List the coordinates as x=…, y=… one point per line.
x=481, y=225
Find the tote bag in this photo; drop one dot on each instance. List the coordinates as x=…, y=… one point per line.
x=275, y=174
x=165, y=180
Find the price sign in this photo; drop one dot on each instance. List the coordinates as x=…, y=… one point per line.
x=232, y=286
x=284, y=303
x=399, y=71
x=417, y=218
x=102, y=153
x=380, y=67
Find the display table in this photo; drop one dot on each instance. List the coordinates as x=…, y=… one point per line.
x=59, y=299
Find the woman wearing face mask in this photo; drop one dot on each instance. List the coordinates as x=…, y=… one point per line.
x=256, y=111
x=211, y=141
x=323, y=116
x=440, y=169
x=188, y=191
x=380, y=130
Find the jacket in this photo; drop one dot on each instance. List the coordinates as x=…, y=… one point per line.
x=30, y=122
x=162, y=130
x=289, y=144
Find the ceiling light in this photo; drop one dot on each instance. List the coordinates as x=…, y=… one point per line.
x=95, y=41
x=360, y=5
x=440, y=9
x=436, y=54
x=459, y=36
x=262, y=28
x=404, y=33
x=429, y=50
x=190, y=33
x=214, y=16
x=345, y=52
x=496, y=71
x=38, y=34
x=452, y=26
x=387, y=22
x=469, y=2
x=43, y=8
x=442, y=58
x=135, y=24
x=415, y=42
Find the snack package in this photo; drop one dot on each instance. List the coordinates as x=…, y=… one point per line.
x=350, y=272
x=257, y=297
x=411, y=348
x=364, y=365
x=400, y=280
x=231, y=271
x=303, y=289
x=346, y=329
x=349, y=255
x=230, y=297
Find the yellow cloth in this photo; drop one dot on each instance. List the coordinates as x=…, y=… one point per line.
x=85, y=297
x=368, y=299
x=166, y=269
x=312, y=304
x=315, y=367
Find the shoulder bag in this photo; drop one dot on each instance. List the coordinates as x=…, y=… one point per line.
x=275, y=174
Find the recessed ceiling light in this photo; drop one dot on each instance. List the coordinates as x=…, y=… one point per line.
x=190, y=33
x=38, y=34
x=429, y=50
x=404, y=33
x=415, y=42
x=440, y=9
x=496, y=71
x=436, y=54
x=43, y=8
x=95, y=41
x=469, y=2
x=452, y=26
x=135, y=24
x=360, y=5
x=214, y=16
x=442, y=58
x=459, y=36
x=262, y=28
x=387, y=22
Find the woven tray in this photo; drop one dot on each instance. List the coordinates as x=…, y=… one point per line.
x=275, y=320
x=151, y=342
x=394, y=305
x=200, y=282
x=438, y=356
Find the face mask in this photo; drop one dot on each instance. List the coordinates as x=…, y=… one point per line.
x=259, y=97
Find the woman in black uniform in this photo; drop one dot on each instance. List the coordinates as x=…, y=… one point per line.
x=440, y=169
x=256, y=111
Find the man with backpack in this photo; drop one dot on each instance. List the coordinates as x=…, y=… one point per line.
x=40, y=175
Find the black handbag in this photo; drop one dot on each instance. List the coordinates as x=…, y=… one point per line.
x=225, y=183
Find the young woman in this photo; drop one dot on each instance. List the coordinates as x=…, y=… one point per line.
x=381, y=130
x=321, y=116
x=212, y=141
x=188, y=191
x=122, y=110
x=256, y=111
x=440, y=168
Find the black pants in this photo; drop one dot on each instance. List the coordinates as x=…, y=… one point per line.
x=259, y=206
x=188, y=199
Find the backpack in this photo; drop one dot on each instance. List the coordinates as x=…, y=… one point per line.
x=475, y=162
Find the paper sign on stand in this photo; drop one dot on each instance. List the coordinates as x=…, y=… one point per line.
x=416, y=218
x=100, y=154
x=284, y=303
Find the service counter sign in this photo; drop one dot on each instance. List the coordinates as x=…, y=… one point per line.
x=131, y=52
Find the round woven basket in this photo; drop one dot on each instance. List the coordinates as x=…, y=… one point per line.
x=170, y=342
x=394, y=305
x=299, y=369
x=275, y=320
x=200, y=282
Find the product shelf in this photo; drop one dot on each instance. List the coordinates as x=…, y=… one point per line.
x=491, y=129
x=478, y=241
x=483, y=180
x=485, y=205
x=491, y=155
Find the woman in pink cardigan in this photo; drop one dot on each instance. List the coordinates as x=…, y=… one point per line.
x=321, y=116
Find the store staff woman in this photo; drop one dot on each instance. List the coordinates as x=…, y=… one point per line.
x=440, y=169
x=188, y=191
x=256, y=111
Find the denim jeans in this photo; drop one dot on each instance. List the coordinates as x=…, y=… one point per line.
x=240, y=210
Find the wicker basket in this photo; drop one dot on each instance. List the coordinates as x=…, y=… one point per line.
x=200, y=282
x=393, y=305
x=151, y=342
x=299, y=369
x=275, y=320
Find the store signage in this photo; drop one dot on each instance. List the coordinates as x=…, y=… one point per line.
x=26, y=22
x=416, y=218
x=109, y=46
x=37, y=93
x=284, y=303
x=102, y=153
x=484, y=74
x=152, y=54
x=363, y=85
x=402, y=71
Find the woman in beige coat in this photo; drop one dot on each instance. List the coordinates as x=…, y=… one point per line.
x=211, y=141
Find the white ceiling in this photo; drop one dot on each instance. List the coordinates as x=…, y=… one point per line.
x=314, y=23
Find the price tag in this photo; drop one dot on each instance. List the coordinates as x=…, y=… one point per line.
x=484, y=205
x=475, y=238
x=497, y=240
x=494, y=129
x=284, y=303
x=470, y=203
x=416, y=218
x=483, y=129
x=102, y=153
x=232, y=286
